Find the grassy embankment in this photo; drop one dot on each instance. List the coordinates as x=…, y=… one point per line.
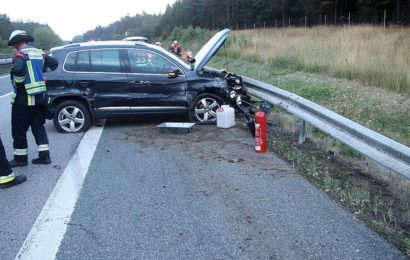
x=362, y=73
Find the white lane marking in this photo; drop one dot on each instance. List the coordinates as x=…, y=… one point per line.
x=5, y=95
x=5, y=76
x=48, y=231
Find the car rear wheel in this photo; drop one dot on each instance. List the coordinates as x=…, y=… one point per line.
x=72, y=117
x=204, y=107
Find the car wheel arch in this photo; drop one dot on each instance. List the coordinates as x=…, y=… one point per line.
x=58, y=100
x=209, y=90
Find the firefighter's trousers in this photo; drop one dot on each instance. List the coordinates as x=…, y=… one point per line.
x=5, y=169
x=23, y=117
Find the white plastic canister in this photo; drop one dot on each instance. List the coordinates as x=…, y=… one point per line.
x=225, y=117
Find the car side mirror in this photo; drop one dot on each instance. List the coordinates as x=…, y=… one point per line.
x=173, y=74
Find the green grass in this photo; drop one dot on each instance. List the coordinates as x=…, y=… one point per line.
x=378, y=109
x=381, y=111
x=364, y=197
x=323, y=160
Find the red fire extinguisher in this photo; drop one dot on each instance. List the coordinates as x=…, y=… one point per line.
x=260, y=132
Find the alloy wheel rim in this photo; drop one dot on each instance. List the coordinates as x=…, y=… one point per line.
x=71, y=119
x=205, y=109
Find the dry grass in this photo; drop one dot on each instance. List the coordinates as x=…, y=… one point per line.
x=372, y=54
x=372, y=193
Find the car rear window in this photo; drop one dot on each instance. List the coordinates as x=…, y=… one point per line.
x=94, y=61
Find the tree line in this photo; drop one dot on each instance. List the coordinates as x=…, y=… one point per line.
x=216, y=14
x=238, y=13
x=210, y=14
x=45, y=37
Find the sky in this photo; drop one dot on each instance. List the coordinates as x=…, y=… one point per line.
x=75, y=17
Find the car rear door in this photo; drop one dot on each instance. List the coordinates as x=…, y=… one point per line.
x=101, y=74
x=151, y=89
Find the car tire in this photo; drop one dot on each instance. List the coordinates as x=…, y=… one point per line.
x=71, y=117
x=203, y=108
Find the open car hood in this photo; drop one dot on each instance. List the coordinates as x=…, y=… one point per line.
x=209, y=49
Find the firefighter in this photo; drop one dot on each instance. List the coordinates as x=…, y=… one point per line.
x=29, y=99
x=177, y=48
x=7, y=177
x=171, y=49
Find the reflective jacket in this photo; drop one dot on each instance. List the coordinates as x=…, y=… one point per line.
x=34, y=78
x=28, y=75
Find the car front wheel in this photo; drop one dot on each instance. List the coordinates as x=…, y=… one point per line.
x=71, y=117
x=204, y=107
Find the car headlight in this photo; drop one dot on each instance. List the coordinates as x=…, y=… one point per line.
x=233, y=94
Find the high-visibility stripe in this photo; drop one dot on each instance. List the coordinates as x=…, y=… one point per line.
x=31, y=100
x=19, y=79
x=43, y=147
x=36, y=87
x=30, y=71
x=35, y=84
x=36, y=91
x=13, y=98
x=20, y=152
x=8, y=178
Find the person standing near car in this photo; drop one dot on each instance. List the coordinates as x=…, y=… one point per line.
x=177, y=48
x=29, y=100
x=7, y=178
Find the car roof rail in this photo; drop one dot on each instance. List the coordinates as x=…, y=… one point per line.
x=72, y=45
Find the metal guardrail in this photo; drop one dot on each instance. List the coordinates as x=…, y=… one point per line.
x=375, y=146
x=6, y=59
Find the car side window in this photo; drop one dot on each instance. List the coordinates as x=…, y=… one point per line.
x=146, y=62
x=69, y=64
x=94, y=61
x=83, y=61
x=105, y=61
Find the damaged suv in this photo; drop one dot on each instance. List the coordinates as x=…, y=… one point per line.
x=99, y=80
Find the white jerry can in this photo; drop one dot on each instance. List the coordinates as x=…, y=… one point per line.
x=225, y=117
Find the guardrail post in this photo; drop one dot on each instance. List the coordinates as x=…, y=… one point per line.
x=302, y=132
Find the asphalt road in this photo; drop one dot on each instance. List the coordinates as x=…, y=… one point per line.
x=205, y=195
x=5, y=85
x=20, y=206
x=151, y=195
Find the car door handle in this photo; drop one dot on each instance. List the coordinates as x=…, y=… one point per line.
x=140, y=83
x=83, y=83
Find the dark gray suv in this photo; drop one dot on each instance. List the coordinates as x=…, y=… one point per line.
x=97, y=80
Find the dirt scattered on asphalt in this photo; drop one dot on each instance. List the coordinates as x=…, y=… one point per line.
x=207, y=142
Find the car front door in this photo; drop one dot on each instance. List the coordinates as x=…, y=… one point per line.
x=151, y=88
x=101, y=75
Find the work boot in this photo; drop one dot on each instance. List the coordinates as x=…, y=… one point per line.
x=42, y=160
x=14, y=163
x=17, y=180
